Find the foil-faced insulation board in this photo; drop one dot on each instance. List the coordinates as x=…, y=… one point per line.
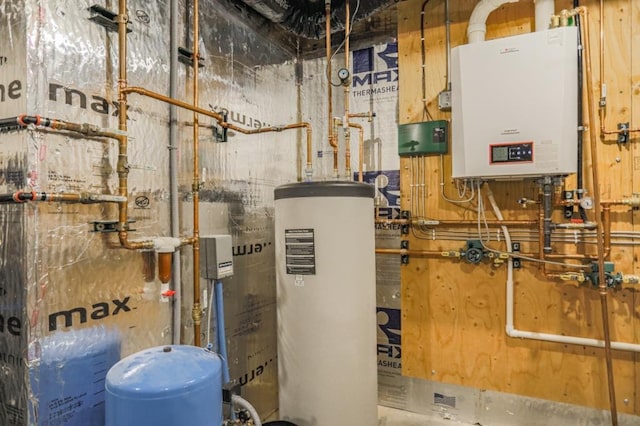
x=65, y=284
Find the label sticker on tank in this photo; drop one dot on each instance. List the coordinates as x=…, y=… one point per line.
x=300, y=251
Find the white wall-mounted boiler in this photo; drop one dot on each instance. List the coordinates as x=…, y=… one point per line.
x=514, y=106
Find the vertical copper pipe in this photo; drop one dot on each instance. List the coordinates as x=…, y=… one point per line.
x=123, y=162
x=122, y=167
x=196, y=312
x=598, y=213
x=309, y=170
x=346, y=92
x=602, y=111
x=360, y=148
x=332, y=139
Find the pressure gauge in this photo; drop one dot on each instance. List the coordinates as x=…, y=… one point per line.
x=586, y=203
x=343, y=74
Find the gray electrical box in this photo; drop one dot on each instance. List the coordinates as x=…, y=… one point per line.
x=216, y=257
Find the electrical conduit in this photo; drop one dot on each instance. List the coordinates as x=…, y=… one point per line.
x=173, y=171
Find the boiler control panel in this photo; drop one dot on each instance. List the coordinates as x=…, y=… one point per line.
x=521, y=152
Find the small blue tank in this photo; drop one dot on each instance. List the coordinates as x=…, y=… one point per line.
x=165, y=386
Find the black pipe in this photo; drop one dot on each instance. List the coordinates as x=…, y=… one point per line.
x=579, y=177
x=21, y=121
x=547, y=206
x=17, y=197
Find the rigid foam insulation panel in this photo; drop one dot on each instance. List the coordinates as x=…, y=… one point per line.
x=60, y=277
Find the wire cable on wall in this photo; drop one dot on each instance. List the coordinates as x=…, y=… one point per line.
x=425, y=112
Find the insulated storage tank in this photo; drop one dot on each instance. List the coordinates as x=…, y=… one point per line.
x=165, y=386
x=325, y=263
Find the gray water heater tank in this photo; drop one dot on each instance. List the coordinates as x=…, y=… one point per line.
x=326, y=295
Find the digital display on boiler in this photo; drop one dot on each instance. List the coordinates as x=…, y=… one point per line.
x=521, y=152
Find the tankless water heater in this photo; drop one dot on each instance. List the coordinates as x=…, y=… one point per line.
x=514, y=110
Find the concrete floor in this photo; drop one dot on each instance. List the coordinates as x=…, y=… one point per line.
x=393, y=417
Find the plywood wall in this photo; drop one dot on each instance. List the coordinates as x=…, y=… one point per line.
x=453, y=312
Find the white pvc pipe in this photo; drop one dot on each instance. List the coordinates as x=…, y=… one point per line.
x=478, y=22
x=547, y=337
x=544, y=11
x=243, y=403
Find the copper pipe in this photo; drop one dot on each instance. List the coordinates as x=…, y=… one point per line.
x=423, y=253
x=176, y=102
x=598, y=207
x=332, y=138
x=602, y=112
x=196, y=312
x=67, y=197
x=633, y=202
x=360, y=148
x=123, y=162
x=567, y=256
x=346, y=93
x=525, y=223
x=220, y=119
x=368, y=115
x=461, y=223
x=84, y=129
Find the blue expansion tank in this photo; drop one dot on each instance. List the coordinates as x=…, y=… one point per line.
x=165, y=386
x=67, y=380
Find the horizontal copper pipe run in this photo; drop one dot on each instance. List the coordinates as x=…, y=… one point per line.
x=368, y=115
x=463, y=223
x=302, y=124
x=423, y=253
x=567, y=256
x=86, y=129
x=220, y=119
x=69, y=197
x=157, y=96
x=615, y=132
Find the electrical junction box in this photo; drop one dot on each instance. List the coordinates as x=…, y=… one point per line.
x=514, y=106
x=216, y=257
x=428, y=137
